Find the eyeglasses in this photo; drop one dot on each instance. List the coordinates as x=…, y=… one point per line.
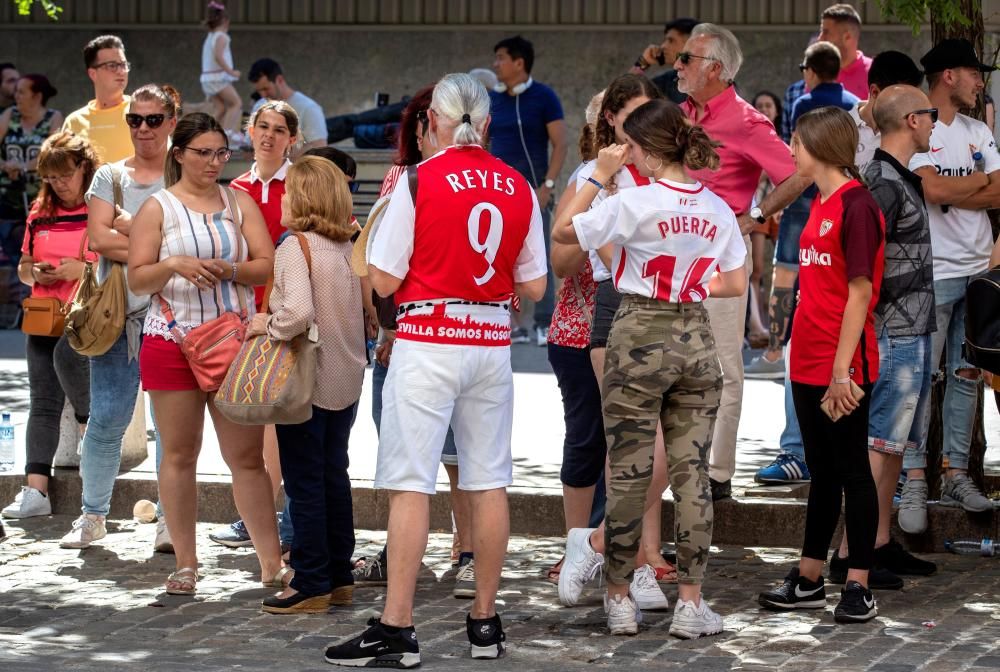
x=152, y=120
x=61, y=179
x=686, y=56
x=803, y=67
x=113, y=66
x=930, y=110
x=221, y=155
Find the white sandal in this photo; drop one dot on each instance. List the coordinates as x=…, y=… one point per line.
x=278, y=580
x=186, y=578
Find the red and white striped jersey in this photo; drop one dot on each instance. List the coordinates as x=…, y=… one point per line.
x=627, y=177
x=669, y=238
x=474, y=231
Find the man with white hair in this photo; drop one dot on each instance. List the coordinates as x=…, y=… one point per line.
x=461, y=235
x=750, y=146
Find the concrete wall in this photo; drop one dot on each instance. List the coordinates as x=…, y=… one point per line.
x=343, y=67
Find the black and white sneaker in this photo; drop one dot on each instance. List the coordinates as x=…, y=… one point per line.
x=378, y=648
x=486, y=636
x=857, y=604
x=795, y=592
x=371, y=571
x=879, y=578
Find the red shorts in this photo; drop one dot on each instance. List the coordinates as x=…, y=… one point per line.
x=162, y=366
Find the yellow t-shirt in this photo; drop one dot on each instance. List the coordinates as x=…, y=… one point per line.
x=105, y=129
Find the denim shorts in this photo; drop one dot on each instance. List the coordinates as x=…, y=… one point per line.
x=793, y=221
x=606, y=302
x=901, y=396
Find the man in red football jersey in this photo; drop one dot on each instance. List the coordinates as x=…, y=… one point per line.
x=462, y=236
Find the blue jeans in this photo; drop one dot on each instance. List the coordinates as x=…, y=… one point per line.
x=901, y=396
x=791, y=436
x=114, y=386
x=449, y=455
x=793, y=221
x=958, y=411
x=314, y=465
x=545, y=306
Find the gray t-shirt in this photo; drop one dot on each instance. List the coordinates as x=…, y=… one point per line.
x=133, y=196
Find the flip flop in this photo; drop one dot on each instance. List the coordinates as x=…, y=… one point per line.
x=663, y=574
x=552, y=576
x=185, y=580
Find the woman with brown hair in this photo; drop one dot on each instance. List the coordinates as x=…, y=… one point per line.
x=51, y=265
x=314, y=285
x=669, y=238
x=835, y=360
x=201, y=248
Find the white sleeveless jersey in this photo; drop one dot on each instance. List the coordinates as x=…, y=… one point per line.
x=669, y=239
x=627, y=176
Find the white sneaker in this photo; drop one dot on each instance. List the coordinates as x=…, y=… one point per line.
x=88, y=528
x=162, y=542
x=27, y=504
x=693, y=621
x=580, y=566
x=624, y=616
x=646, y=590
x=542, y=336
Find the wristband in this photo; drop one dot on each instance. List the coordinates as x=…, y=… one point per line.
x=595, y=183
x=842, y=381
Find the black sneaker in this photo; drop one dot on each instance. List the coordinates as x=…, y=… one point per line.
x=233, y=536
x=3, y=533
x=896, y=559
x=721, y=489
x=857, y=604
x=486, y=636
x=795, y=592
x=378, y=648
x=371, y=571
x=879, y=578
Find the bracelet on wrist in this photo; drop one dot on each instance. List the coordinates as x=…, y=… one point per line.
x=595, y=183
x=842, y=381
x=232, y=278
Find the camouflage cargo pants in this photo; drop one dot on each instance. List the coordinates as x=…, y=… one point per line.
x=661, y=365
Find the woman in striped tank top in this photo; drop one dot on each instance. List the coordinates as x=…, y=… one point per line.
x=190, y=248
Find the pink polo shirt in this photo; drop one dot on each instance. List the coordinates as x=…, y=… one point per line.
x=855, y=76
x=750, y=146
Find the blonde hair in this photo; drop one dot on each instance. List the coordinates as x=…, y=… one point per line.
x=319, y=199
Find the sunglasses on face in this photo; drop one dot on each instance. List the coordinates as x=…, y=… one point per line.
x=930, y=110
x=686, y=56
x=206, y=154
x=803, y=67
x=152, y=120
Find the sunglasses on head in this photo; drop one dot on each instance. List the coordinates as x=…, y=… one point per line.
x=353, y=186
x=152, y=120
x=930, y=110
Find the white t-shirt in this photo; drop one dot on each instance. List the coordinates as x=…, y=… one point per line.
x=208, y=63
x=961, y=239
x=669, y=239
x=868, y=139
x=312, y=121
x=627, y=177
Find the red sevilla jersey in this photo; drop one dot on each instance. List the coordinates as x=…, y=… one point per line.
x=843, y=239
x=474, y=231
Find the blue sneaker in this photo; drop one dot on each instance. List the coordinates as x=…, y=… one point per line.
x=784, y=469
x=233, y=536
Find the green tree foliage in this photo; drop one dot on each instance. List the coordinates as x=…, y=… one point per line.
x=49, y=6
x=914, y=13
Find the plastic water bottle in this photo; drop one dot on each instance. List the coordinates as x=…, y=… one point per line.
x=986, y=548
x=6, y=444
x=980, y=163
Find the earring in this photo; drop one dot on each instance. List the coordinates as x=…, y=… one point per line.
x=646, y=161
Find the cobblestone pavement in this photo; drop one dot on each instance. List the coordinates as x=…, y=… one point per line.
x=103, y=609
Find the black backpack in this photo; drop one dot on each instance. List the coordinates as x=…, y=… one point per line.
x=982, y=322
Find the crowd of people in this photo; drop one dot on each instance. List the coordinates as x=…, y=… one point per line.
x=873, y=191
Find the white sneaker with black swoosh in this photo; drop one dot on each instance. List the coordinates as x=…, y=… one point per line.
x=795, y=592
x=857, y=604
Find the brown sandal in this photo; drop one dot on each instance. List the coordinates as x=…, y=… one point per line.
x=552, y=576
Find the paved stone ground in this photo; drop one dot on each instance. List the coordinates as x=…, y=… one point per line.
x=103, y=609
